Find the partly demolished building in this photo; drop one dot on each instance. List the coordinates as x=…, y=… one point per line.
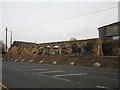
x=78, y=47
x=106, y=45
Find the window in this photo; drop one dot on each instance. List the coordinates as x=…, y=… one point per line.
x=109, y=31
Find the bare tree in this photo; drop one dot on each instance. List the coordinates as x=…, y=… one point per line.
x=73, y=39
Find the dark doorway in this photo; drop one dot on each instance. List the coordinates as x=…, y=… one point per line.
x=40, y=51
x=88, y=48
x=107, y=49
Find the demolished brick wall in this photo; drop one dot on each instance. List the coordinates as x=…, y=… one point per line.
x=67, y=47
x=95, y=47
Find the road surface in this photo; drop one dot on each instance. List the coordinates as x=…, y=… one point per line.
x=34, y=75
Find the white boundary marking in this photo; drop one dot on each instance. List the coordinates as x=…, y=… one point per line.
x=104, y=87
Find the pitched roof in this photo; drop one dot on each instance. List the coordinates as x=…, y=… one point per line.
x=116, y=23
x=22, y=43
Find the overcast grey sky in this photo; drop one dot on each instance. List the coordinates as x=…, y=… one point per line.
x=63, y=20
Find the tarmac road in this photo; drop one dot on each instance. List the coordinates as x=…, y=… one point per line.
x=33, y=75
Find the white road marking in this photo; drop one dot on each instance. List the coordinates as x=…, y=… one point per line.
x=16, y=69
x=104, y=87
x=3, y=87
x=63, y=79
x=25, y=70
x=52, y=77
x=70, y=74
x=21, y=66
x=36, y=69
x=39, y=69
x=51, y=71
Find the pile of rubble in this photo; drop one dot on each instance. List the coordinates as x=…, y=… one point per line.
x=85, y=60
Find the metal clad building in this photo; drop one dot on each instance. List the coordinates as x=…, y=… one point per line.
x=110, y=32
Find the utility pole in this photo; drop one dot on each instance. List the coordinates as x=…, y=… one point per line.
x=6, y=43
x=10, y=45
